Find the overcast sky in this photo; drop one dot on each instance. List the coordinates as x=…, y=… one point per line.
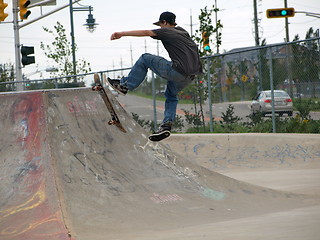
x=96, y=48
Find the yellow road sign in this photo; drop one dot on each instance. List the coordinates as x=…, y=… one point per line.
x=244, y=78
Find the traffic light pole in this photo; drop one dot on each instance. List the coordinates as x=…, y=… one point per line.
x=17, y=45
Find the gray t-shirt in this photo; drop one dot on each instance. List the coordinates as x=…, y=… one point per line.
x=181, y=49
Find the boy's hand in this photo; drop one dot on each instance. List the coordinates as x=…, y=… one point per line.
x=115, y=36
x=134, y=33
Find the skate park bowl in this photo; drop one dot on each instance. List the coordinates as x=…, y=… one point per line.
x=67, y=174
x=292, y=159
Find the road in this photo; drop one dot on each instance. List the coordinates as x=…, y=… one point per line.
x=144, y=108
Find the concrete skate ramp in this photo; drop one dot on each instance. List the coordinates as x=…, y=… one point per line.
x=253, y=151
x=67, y=174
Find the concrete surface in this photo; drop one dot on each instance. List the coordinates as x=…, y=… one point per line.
x=67, y=174
x=288, y=162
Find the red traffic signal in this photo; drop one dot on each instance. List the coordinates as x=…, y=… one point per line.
x=280, y=12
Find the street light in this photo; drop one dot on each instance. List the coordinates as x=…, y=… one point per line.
x=90, y=26
x=91, y=22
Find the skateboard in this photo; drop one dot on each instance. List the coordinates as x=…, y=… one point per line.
x=156, y=137
x=114, y=118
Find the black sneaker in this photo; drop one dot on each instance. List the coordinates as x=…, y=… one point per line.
x=163, y=132
x=115, y=84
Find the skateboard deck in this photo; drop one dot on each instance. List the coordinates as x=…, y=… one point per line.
x=156, y=137
x=114, y=118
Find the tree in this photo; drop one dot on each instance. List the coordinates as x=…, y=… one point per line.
x=200, y=91
x=60, y=51
x=207, y=27
x=265, y=69
x=6, y=75
x=304, y=61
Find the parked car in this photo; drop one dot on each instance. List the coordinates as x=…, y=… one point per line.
x=263, y=103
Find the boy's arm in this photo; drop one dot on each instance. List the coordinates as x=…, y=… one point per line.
x=134, y=33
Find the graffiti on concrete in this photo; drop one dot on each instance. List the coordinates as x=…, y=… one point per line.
x=213, y=194
x=78, y=106
x=157, y=198
x=218, y=156
x=13, y=228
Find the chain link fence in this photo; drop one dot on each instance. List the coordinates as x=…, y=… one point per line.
x=241, y=73
x=237, y=78
x=272, y=80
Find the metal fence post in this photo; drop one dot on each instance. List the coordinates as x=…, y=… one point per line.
x=272, y=91
x=209, y=95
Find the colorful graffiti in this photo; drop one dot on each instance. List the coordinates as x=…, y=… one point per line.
x=31, y=219
x=28, y=212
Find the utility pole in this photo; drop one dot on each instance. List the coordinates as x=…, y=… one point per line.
x=15, y=11
x=145, y=45
x=288, y=53
x=217, y=33
x=131, y=54
x=286, y=22
x=255, y=20
x=257, y=40
x=191, y=23
x=121, y=64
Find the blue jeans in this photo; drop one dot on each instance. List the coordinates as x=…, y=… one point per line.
x=163, y=68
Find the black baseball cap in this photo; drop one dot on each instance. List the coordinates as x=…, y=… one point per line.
x=169, y=17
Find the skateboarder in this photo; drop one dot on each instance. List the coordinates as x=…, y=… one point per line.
x=179, y=72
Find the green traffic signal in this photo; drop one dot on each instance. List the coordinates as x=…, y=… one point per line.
x=205, y=41
x=280, y=12
x=24, y=12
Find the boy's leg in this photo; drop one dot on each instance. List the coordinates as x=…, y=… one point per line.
x=171, y=95
x=174, y=86
x=163, y=68
x=139, y=71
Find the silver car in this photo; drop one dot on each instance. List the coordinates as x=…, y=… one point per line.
x=282, y=103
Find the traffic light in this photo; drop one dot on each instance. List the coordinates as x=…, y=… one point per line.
x=3, y=15
x=28, y=84
x=280, y=12
x=25, y=52
x=205, y=41
x=24, y=12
